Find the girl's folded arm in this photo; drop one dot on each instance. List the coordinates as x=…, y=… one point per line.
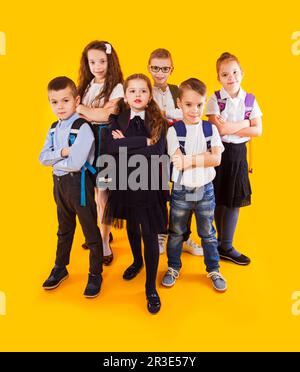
x=255, y=129
x=159, y=148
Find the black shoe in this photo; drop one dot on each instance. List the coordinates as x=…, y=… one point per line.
x=229, y=256
x=58, y=274
x=107, y=260
x=131, y=272
x=153, y=303
x=93, y=286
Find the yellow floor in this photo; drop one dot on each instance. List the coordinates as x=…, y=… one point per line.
x=254, y=314
x=261, y=309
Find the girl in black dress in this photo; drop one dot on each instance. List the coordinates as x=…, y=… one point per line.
x=139, y=130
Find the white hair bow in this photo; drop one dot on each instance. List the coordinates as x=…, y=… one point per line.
x=108, y=48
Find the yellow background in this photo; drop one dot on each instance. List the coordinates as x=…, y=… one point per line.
x=45, y=40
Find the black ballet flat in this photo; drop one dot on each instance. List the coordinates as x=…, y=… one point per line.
x=131, y=272
x=153, y=303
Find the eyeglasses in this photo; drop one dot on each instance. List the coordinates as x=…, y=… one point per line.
x=164, y=69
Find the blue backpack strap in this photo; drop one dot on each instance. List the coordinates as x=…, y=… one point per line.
x=208, y=132
x=52, y=131
x=221, y=102
x=180, y=129
x=72, y=137
x=249, y=104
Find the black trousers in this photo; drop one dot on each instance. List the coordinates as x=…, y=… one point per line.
x=151, y=252
x=67, y=198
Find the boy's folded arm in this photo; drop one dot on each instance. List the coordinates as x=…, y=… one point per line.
x=79, y=151
x=48, y=156
x=206, y=159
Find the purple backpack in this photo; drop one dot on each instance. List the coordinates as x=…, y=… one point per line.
x=249, y=103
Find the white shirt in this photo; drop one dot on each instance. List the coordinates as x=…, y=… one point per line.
x=234, y=111
x=195, y=143
x=94, y=89
x=141, y=114
x=166, y=103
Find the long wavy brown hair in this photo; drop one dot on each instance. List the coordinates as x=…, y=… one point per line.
x=113, y=76
x=158, y=124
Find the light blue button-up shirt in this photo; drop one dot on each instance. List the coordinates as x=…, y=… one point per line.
x=81, y=151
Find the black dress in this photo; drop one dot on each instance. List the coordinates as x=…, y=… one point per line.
x=141, y=206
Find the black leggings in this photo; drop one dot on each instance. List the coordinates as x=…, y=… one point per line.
x=151, y=252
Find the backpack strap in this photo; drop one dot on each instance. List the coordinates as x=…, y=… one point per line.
x=221, y=102
x=249, y=104
x=72, y=137
x=52, y=131
x=208, y=132
x=174, y=92
x=180, y=129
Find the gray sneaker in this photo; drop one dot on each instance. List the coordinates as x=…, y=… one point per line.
x=218, y=282
x=170, y=277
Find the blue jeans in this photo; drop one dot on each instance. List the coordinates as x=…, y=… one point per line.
x=202, y=202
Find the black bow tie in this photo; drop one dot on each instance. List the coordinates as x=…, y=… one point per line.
x=138, y=122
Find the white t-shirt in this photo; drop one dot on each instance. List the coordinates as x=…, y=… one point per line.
x=94, y=89
x=234, y=111
x=166, y=103
x=195, y=143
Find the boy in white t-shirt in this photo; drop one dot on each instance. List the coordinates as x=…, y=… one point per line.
x=160, y=66
x=195, y=149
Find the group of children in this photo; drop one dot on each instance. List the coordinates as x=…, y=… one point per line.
x=104, y=115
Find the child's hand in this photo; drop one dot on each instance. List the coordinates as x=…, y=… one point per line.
x=182, y=162
x=65, y=152
x=117, y=134
x=178, y=161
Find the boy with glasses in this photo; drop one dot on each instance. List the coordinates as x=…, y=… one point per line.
x=160, y=66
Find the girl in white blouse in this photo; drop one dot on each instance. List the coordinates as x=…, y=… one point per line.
x=238, y=118
x=100, y=88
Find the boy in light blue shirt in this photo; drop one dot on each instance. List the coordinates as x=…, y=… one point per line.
x=70, y=146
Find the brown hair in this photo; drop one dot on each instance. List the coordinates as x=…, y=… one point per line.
x=113, y=76
x=226, y=57
x=192, y=84
x=62, y=82
x=160, y=53
x=158, y=124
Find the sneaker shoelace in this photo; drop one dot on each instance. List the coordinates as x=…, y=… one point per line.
x=193, y=244
x=173, y=273
x=215, y=275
